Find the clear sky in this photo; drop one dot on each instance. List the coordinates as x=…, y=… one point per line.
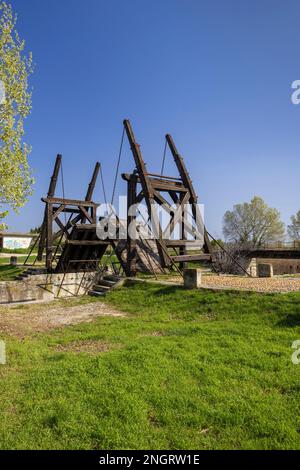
x=215, y=74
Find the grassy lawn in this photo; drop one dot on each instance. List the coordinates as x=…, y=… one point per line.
x=21, y=259
x=8, y=273
x=183, y=370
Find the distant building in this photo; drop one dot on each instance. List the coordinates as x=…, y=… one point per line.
x=15, y=241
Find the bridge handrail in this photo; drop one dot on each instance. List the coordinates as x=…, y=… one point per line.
x=293, y=245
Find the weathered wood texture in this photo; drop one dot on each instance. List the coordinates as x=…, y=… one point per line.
x=181, y=192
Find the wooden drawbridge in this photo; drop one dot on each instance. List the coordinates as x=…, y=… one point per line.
x=68, y=237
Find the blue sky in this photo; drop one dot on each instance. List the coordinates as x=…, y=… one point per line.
x=215, y=74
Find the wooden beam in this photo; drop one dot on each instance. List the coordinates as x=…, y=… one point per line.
x=191, y=258
x=164, y=177
x=160, y=184
x=86, y=227
x=148, y=191
x=61, y=226
x=182, y=249
x=69, y=202
x=87, y=242
x=92, y=184
x=88, y=197
x=131, y=223
x=69, y=210
x=86, y=215
x=139, y=162
x=189, y=185
x=49, y=238
x=57, y=211
x=189, y=243
x=167, y=206
x=177, y=215
x=51, y=191
x=166, y=187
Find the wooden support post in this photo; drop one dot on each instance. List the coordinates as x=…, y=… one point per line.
x=92, y=184
x=193, y=196
x=182, y=249
x=90, y=191
x=131, y=226
x=148, y=192
x=49, y=236
x=88, y=198
x=51, y=191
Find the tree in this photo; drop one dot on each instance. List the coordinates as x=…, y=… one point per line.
x=253, y=224
x=294, y=227
x=230, y=260
x=15, y=105
x=36, y=229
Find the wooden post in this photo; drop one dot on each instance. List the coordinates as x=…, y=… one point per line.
x=131, y=222
x=90, y=191
x=89, y=194
x=49, y=236
x=148, y=193
x=182, y=249
x=51, y=191
x=189, y=185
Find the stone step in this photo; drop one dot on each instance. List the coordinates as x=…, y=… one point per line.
x=36, y=271
x=96, y=293
x=111, y=277
x=101, y=288
x=107, y=282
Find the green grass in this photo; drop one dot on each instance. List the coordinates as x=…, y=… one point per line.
x=21, y=259
x=17, y=250
x=186, y=370
x=8, y=273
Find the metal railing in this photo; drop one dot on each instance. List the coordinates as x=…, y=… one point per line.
x=294, y=245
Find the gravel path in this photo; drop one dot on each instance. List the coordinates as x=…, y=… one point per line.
x=275, y=284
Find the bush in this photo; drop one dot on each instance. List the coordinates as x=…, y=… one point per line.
x=20, y=251
x=231, y=260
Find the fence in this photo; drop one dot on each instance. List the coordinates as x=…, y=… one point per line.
x=294, y=245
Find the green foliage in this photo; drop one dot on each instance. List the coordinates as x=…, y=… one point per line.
x=217, y=243
x=15, y=251
x=15, y=67
x=36, y=230
x=183, y=370
x=253, y=223
x=294, y=227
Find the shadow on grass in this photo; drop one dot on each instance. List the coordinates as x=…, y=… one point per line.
x=204, y=293
x=290, y=320
x=281, y=310
x=168, y=290
x=8, y=273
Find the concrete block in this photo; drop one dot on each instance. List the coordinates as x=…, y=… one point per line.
x=250, y=264
x=192, y=278
x=265, y=270
x=13, y=260
x=45, y=287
